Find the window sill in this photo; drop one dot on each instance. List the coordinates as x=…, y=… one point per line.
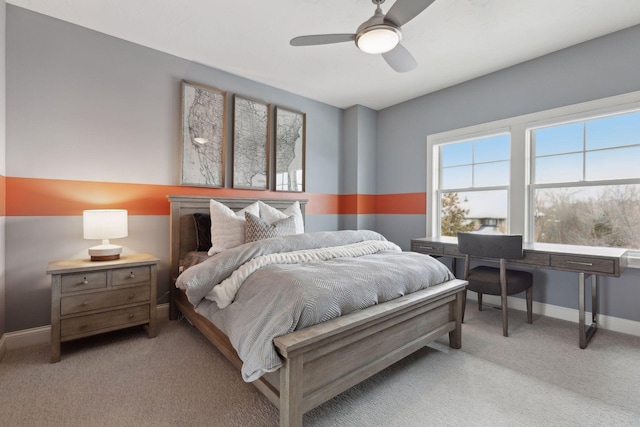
x=634, y=260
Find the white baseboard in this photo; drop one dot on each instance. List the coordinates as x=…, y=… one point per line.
x=27, y=337
x=610, y=323
x=42, y=334
x=3, y=346
x=162, y=310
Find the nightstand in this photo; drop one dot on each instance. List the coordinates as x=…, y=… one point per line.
x=92, y=297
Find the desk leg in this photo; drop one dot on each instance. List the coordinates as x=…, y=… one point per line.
x=587, y=333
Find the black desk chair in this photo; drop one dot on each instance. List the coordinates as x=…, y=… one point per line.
x=491, y=280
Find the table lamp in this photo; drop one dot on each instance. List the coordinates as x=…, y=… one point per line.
x=105, y=224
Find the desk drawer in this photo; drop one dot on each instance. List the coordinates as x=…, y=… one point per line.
x=583, y=264
x=536, y=259
x=94, y=322
x=452, y=250
x=100, y=300
x=429, y=248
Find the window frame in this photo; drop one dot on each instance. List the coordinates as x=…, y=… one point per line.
x=576, y=118
x=521, y=191
x=438, y=191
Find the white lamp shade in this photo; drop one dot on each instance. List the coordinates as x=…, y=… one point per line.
x=104, y=224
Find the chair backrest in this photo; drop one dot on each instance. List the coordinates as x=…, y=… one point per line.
x=501, y=246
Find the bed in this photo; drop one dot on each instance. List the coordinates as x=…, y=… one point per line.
x=321, y=361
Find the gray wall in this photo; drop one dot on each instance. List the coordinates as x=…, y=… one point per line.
x=596, y=69
x=3, y=10
x=85, y=106
x=357, y=161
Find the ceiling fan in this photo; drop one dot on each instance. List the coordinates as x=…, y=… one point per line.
x=380, y=34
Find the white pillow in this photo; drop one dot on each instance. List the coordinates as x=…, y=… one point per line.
x=272, y=215
x=227, y=226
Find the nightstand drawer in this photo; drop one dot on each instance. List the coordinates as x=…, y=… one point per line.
x=94, y=322
x=83, y=281
x=128, y=276
x=99, y=300
x=583, y=264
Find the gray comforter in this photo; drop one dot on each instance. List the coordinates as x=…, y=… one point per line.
x=280, y=298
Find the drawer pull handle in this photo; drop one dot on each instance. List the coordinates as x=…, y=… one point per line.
x=130, y=315
x=427, y=247
x=85, y=281
x=588, y=264
x=84, y=303
x=131, y=275
x=83, y=326
x=130, y=296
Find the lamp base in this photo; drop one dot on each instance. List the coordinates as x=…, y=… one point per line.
x=105, y=252
x=104, y=258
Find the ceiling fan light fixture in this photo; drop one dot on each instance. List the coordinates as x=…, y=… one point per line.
x=378, y=39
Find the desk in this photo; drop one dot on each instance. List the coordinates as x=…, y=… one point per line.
x=587, y=261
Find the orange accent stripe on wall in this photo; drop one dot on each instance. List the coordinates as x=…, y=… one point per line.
x=354, y=204
x=405, y=204
x=363, y=204
x=3, y=192
x=53, y=197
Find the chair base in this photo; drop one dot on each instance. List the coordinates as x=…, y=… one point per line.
x=504, y=308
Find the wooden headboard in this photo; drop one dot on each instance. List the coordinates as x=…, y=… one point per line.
x=182, y=227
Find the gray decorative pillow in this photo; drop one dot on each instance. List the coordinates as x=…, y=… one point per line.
x=257, y=228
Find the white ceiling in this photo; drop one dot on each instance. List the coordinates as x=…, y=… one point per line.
x=453, y=40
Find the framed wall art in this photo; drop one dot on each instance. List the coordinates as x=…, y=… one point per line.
x=204, y=111
x=290, y=147
x=251, y=120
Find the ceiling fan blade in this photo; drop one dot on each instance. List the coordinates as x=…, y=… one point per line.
x=400, y=59
x=404, y=11
x=322, y=39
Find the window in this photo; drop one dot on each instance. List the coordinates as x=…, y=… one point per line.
x=586, y=182
x=570, y=175
x=473, y=185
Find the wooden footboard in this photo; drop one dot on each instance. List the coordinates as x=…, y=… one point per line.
x=322, y=361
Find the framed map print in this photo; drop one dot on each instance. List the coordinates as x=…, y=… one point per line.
x=290, y=150
x=204, y=111
x=251, y=120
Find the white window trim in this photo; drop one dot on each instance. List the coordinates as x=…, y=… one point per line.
x=518, y=126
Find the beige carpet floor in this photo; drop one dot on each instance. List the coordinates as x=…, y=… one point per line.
x=536, y=377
